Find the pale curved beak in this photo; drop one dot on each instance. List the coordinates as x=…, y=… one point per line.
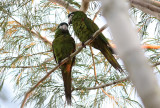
x=70, y=20
x=64, y=27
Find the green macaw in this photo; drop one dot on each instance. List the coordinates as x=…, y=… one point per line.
x=84, y=28
x=63, y=45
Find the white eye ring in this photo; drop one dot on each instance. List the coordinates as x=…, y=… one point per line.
x=71, y=15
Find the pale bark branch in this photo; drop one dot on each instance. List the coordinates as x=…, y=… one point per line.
x=95, y=74
x=64, y=4
x=95, y=16
x=33, y=32
x=18, y=67
x=102, y=86
x=62, y=62
x=151, y=7
x=148, y=11
x=84, y=5
x=128, y=47
x=44, y=39
x=156, y=64
x=156, y=3
x=146, y=5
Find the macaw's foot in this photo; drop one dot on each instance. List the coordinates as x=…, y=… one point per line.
x=91, y=37
x=69, y=57
x=59, y=62
x=83, y=45
x=111, y=49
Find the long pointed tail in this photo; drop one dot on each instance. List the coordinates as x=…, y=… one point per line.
x=108, y=55
x=66, y=73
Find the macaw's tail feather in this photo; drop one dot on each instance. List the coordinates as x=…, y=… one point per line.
x=111, y=59
x=66, y=73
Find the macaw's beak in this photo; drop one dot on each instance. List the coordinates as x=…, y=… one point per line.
x=64, y=27
x=70, y=20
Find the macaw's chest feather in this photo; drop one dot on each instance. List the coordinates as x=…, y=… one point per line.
x=63, y=46
x=81, y=30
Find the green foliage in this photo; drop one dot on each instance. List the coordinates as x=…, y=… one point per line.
x=26, y=58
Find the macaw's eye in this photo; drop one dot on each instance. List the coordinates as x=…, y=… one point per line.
x=71, y=14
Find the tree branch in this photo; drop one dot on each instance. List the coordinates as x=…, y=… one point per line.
x=95, y=74
x=18, y=66
x=64, y=4
x=84, y=5
x=150, y=46
x=151, y=7
x=62, y=62
x=142, y=46
x=156, y=64
x=146, y=8
x=33, y=32
x=104, y=85
x=38, y=35
x=156, y=3
x=128, y=48
x=95, y=16
x=146, y=5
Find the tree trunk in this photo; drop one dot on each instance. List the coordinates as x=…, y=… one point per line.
x=128, y=47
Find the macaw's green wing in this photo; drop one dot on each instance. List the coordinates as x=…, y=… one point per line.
x=61, y=51
x=102, y=44
x=93, y=28
x=53, y=51
x=73, y=42
x=90, y=25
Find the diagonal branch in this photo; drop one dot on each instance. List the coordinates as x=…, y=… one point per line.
x=156, y=64
x=84, y=5
x=64, y=4
x=95, y=74
x=146, y=5
x=104, y=85
x=146, y=8
x=156, y=3
x=33, y=32
x=38, y=35
x=128, y=48
x=151, y=7
x=142, y=46
x=62, y=62
x=95, y=16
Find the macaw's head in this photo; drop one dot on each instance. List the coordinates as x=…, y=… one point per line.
x=63, y=26
x=76, y=15
x=62, y=29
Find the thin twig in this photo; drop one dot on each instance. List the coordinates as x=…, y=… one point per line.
x=104, y=85
x=112, y=97
x=84, y=5
x=18, y=66
x=62, y=62
x=33, y=32
x=95, y=74
x=95, y=16
x=64, y=4
x=156, y=64
x=146, y=5
x=27, y=55
x=156, y=3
